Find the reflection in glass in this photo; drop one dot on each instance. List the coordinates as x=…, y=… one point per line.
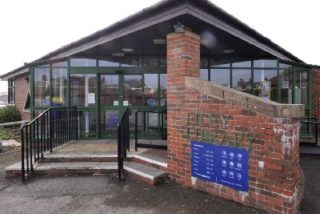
x=220, y=76
x=60, y=64
x=163, y=89
x=42, y=86
x=246, y=64
x=151, y=89
x=301, y=88
x=286, y=80
x=108, y=122
x=241, y=80
x=108, y=63
x=133, y=90
x=59, y=86
x=204, y=74
x=87, y=124
x=109, y=93
x=265, y=63
x=83, y=89
x=265, y=84
x=80, y=62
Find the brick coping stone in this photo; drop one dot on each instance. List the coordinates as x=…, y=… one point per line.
x=236, y=97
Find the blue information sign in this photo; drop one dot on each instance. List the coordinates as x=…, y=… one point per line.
x=221, y=164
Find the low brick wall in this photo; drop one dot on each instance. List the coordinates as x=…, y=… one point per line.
x=205, y=112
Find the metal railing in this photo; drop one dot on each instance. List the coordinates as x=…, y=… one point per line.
x=50, y=129
x=123, y=140
x=163, y=129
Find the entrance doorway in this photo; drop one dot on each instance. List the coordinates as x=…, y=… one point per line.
x=103, y=96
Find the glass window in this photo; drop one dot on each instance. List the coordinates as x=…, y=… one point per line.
x=108, y=63
x=108, y=122
x=241, y=80
x=88, y=124
x=11, y=91
x=285, y=66
x=42, y=87
x=204, y=63
x=301, y=87
x=286, y=78
x=133, y=90
x=60, y=64
x=151, y=89
x=83, y=89
x=109, y=94
x=246, y=64
x=204, y=74
x=79, y=62
x=163, y=89
x=221, y=76
x=265, y=63
x=59, y=87
x=265, y=84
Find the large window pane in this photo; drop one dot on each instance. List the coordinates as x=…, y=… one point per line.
x=42, y=86
x=221, y=76
x=108, y=122
x=151, y=89
x=301, y=87
x=59, y=86
x=133, y=90
x=265, y=84
x=265, y=63
x=204, y=74
x=83, y=89
x=109, y=94
x=88, y=124
x=246, y=64
x=241, y=80
x=286, y=77
x=83, y=62
x=163, y=89
x=108, y=63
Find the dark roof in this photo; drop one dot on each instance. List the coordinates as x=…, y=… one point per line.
x=161, y=6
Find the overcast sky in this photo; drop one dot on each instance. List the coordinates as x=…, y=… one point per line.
x=32, y=28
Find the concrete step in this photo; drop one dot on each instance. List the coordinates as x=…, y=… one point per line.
x=145, y=173
x=79, y=157
x=140, y=171
x=150, y=161
x=67, y=168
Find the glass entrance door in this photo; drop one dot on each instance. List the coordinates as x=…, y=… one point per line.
x=110, y=104
x=83, y=88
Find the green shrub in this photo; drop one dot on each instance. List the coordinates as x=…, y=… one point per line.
x=9, y=114
x=7, y=134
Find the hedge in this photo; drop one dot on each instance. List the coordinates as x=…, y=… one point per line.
x=9, y=114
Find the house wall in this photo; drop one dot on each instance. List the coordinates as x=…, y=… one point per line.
x=315, y=92
x=21, y=92
x=270, y=134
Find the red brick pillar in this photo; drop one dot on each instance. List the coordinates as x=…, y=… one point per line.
x=183, y=60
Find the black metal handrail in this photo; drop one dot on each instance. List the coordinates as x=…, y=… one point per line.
x=50, y=129
x=123, y=140
x=163, y=114
x=314, y=123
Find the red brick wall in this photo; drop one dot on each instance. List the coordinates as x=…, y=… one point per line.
x=21, y=92
x=316, y=92
x=274, y=169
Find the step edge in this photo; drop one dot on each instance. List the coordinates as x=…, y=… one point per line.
x=149, y=160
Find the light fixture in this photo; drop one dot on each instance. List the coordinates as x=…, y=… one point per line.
x=159, y=41
x=179, y=28
x=127, y=50
x=228, y=51
x=118, y=54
